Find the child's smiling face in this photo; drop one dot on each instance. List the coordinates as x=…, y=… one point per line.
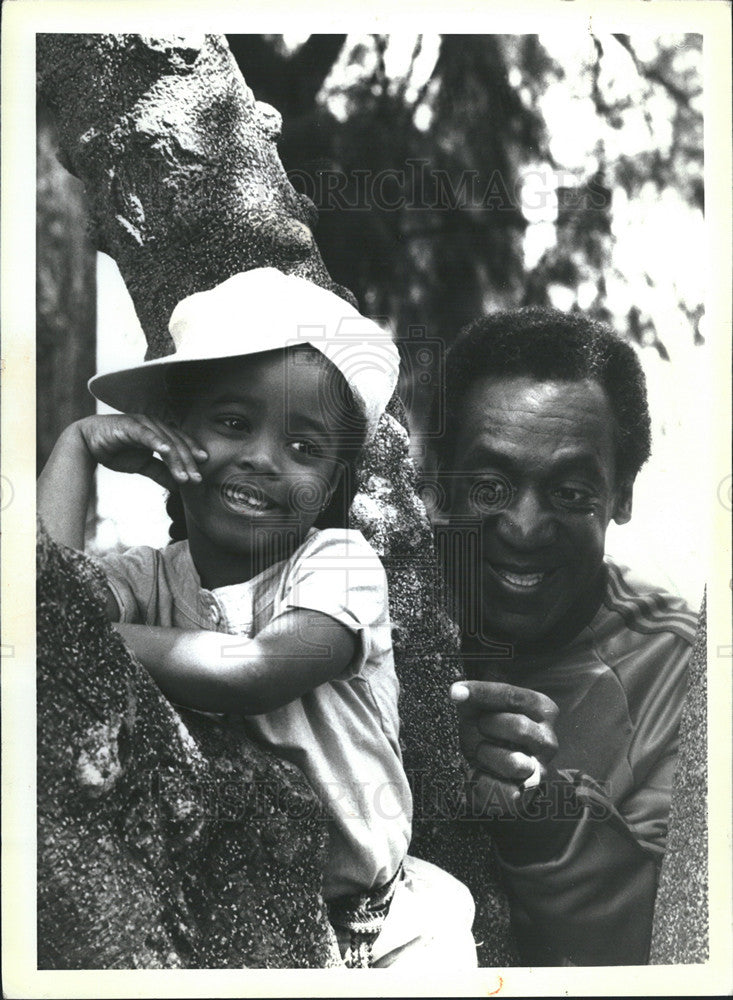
x=272, y=451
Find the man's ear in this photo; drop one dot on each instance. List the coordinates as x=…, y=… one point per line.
x=623, y=502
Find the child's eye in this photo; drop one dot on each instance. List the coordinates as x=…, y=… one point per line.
x=234, y=423
x=305, y=447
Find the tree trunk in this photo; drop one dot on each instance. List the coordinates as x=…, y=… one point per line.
x=179, y=165
x=65, y=295
x=681, y=924
x=186, y=188
x=162, y=843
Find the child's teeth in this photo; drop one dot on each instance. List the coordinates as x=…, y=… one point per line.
x=247, y=499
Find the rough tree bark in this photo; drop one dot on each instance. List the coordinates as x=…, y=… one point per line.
x=65, y=295
x=681, y=924
x=163, y=842
x=179, y=164
x=186, y=188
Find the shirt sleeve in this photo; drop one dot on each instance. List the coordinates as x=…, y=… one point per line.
x=341, y=576
x=592, y=901
x=132, y=579
x=583, y=865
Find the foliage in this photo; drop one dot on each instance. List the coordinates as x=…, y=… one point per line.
x=457, y=173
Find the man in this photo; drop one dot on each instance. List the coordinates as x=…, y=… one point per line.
x=576, y=670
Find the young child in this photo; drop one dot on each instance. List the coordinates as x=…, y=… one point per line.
x=266, y=605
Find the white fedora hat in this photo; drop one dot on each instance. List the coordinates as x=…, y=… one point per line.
x=263, y=310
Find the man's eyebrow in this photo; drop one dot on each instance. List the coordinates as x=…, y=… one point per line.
x=583, y=460
x=484, y=453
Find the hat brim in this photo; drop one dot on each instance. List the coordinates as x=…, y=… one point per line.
x=142, y=388
x=254, y=312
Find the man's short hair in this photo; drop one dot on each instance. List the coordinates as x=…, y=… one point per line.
x=547, y=344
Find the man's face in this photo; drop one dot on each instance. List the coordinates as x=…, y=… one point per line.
x=535, y=463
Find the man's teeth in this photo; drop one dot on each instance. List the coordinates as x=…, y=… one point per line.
x=247, y=498
x=521, y=579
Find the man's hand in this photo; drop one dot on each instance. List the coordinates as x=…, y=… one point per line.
x=501, y=729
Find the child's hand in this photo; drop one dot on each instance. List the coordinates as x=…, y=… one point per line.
x=126, y=443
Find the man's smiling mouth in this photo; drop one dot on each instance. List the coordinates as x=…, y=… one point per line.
x=525, y=580
x=520, y=581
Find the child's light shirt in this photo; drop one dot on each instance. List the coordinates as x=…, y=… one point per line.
x=343, y=734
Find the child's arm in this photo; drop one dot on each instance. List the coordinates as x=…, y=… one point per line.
x=123, y=443
x=217, y=672
x=63, y=489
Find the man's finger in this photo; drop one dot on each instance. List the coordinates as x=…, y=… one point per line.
x=476, y=697
x=517, y=732
x=490, y=797
x=512, y=765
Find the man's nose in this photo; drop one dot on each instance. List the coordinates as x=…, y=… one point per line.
x=527, y=523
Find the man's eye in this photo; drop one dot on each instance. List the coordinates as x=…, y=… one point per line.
x=574, y=498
